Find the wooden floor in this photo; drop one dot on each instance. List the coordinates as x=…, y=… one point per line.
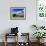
x=13, y=44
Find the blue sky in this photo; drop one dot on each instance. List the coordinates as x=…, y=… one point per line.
x=16, y=10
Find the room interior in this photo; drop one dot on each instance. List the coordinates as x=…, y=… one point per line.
x=26, y=30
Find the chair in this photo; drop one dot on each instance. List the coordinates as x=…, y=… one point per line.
x=14, y=32
x=8, y=35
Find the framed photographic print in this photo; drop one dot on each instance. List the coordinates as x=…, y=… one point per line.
x=18, y=13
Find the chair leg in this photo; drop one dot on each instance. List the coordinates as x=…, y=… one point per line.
x=5, y=40
x=5, y=43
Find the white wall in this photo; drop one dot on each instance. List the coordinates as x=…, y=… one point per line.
x=24, y=25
